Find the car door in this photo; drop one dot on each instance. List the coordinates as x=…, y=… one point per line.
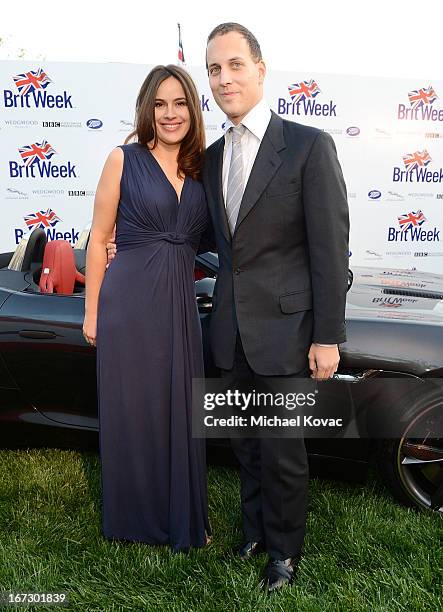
x=42, y=345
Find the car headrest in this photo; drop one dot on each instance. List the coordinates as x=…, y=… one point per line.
x=59, y=273
x=34, y=249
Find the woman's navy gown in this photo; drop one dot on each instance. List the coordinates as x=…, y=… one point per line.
x=148, y=350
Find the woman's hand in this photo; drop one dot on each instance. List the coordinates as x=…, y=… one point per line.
x=90, y=329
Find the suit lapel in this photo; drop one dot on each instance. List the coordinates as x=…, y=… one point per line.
x=265, y=166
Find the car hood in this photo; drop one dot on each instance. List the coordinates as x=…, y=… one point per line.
x=390, y=293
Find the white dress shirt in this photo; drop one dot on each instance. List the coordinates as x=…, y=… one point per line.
x=256, y=123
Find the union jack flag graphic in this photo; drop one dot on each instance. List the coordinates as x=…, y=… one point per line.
x=32, y=80
x=302, y=91
x=419, y=159
x=41, y=218
x=38, y=150
x=410, y=220
x=420, y=97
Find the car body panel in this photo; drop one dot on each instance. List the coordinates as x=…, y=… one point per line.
x=47, y=371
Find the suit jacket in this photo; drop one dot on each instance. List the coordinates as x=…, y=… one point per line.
x=283, y=276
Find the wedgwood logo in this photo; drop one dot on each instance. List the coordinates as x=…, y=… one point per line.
x=48, y=193
x=20, y=123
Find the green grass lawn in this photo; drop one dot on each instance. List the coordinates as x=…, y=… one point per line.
x=362, y=550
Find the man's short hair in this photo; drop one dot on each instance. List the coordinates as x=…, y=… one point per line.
x=225, y=28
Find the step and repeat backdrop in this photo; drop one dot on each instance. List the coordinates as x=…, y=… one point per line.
x=59, y=121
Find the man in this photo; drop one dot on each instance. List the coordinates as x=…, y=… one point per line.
x=278, y=206
x=279, y=212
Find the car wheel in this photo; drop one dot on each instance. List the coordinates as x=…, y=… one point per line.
x=412, y=466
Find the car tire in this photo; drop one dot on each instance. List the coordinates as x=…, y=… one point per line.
x=412, y=465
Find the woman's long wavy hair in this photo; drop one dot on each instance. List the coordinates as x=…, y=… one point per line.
x=192, y=148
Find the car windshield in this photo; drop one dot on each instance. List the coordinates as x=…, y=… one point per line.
x=19, y=253
x=83, y=238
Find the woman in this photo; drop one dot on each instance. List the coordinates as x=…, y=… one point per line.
x=143, y=318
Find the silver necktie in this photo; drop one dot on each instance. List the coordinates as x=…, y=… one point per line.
x=234, y=192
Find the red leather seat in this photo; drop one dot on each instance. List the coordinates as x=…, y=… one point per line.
x=59, y=273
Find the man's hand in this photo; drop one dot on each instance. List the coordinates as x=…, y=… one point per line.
x=323, y=360
x=111, y=248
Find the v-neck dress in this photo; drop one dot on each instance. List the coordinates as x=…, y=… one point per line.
x=149, y=348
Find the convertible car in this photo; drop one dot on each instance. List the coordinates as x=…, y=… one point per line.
x=394, y=330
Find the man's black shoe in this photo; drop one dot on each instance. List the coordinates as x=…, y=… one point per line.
x=250, y=549
x=279, y=573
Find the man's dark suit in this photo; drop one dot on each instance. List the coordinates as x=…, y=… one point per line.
x=281, y=286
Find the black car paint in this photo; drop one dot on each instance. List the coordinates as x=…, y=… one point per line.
x=47, y=371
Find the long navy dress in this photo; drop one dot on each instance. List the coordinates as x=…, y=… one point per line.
x=148, y=350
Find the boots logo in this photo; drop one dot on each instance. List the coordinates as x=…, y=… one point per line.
x=37, y=163
x=303, y=101
x=411, y=230
x=421, y=106
x=416, y=169
x=31, y=92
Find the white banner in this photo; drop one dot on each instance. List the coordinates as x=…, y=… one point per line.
x=59, y=121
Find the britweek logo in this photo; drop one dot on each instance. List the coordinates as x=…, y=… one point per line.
x=392, y=302
x=46, y=220
x=416, y=170
x=31, y=92
x=37, y=163
x=411, y=230
x=303, y=101
x=204, y=103
x=420, y=106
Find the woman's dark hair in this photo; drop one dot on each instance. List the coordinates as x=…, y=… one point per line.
x=192, y=148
